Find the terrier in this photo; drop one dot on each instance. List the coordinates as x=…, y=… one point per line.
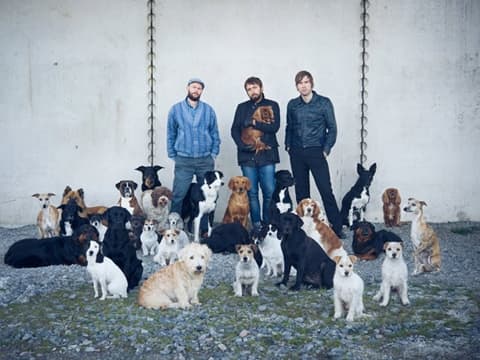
x=247, y=272
x=347, y=289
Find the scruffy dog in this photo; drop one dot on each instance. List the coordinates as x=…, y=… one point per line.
x=268, y=240
x=48, y=219
x=247, y=273
x=347, y=289
x=394, y=274
x=425, y=242
x=149, y=176
x=175, y=221
x=105, y=273
x=252, y=136
x=177, y=285
x=391, y=207
x=156, y=205
x=149, y=238
x=238, y=207
x=168, y=248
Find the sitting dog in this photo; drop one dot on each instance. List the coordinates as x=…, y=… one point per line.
x=149, y=238
x=252, y=136
x=97, y=220
x=168, y=248
x=309, y=210
x=175, y=221
x=347, y=289
x=247, y=274
x=128, y=200
x=355, y=201
x=70, y=219
x=177, y=285
x=48, y=219
x=425, y=242
x=149, y=176
x=268, y=241
x=58, y=250
x=394, y=274
x=78, y=195
x=118, y=247
x=368, y=244
x=156, y=204
x=313, y=265
x=391, y=207
x=136, y=228
x=238, y=207
x=281, y=201
x=105, y=273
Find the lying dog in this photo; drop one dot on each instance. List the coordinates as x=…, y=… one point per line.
x=368, y=244
x=177, y=285
x=156, y=204
x=281, y=201
x=149, y=176
x=425, y=242
x=168, y=248
x=59, y=250
x=252, y=136
x=225, y=237
x=391, y=207
x=238, y=207
x=48, y=219
x=247, y=273
x=97, y=220
x=149, y=238
x=268, y=241
x=105, y=273
x=347, y=289
x=78, y=195
x=128, y=200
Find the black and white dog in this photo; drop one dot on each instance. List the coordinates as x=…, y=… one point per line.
x=281, y=201
x=355, y=201
x=201, y=199
x=149, y=176
x=70, y=220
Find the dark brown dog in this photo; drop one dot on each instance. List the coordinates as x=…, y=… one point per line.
x=391, y=207
x=368, y=244
x=252, y=136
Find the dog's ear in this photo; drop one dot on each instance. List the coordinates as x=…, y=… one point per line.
x=231, y=183
x=141, y=169
x=80, y=193
x=373, y=168
x=249, y=184
x=135, y=185
x=237, y=247
x=423, y=203
x=372, y=227
x=36, y=195
x=253, y=247
x=353, y=258
x=157, y=167
x=385, y=196
x=398, y=199
x=117, y=185
x=299, y=209
x=51, y=194
x=100, y=256
x=67, y=190
x=359, y=168
x=337, y=259
x=61, y=206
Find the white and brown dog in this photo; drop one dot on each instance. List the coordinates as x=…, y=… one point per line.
x=310, y=209
x=128, y=200
x=247, y=273
x=394, y=274
x=168, y=248
x=48, y=219
x=347, y=289
x=156, y=204
x=238, y=207
x=149, y=237
x=426, y=247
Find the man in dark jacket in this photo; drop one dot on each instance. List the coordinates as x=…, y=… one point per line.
x=258, y=166
x=310, y=135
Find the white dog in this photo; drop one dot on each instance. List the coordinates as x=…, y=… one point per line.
x=247, y=272
x=168, y=248
x=106, y=273
x=347, y=289
x=175, y=221
x=177, y=285
x=269, y=245
x=149, y=238
x=394, y=274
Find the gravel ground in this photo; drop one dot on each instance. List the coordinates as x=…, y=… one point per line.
x=50, y=313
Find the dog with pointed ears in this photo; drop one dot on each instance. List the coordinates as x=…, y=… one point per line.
x=48, y=219
x=281, y=201
x=149, y=176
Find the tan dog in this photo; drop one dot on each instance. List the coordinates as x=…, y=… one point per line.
x=48, y=219
x=78, y=196
x=425, y=241
x=252, y=136
x=247, y=273
x=238, y=207
x=347, y=289
x=391, y=207
x=177, y=285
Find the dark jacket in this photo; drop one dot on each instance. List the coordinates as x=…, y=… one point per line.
x=245, y=156
x=310, y=124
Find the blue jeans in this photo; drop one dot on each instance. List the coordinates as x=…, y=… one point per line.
x=265, y=175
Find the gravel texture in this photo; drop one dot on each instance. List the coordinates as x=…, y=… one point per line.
x=50, y=313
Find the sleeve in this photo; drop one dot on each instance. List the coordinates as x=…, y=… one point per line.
x=331, y=128
x=214, y=134
x=172, y=129
x=288, y=127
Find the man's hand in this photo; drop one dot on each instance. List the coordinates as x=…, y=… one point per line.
x=248, y=122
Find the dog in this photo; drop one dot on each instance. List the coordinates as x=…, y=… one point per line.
x=149, y=176
x=347, y=289
x=238, y=207
x=425, y=242
x=149, y=238
x=311, y=209
x=128, y=200
x=175, y=221
x=118, y=247
x=252, y=136
x=58, y=250
x=79, y=195
x=368, y=244
x=200, y=200
x=281, y=201
x=136, y=228
x=394, y=274
x=247, y=273
x=156, y=204
x=355, y=201
x=70, y=219
x=225, y=237
x=48, y=219
x=268, y=240
x=168, y=248
x=177, y=285
x=313, y=265
x=97, y=220
x=105, y=273
x=391, y=207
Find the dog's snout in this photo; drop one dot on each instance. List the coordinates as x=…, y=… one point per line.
x=199, y=267
x=394, y=255
x=90, y=253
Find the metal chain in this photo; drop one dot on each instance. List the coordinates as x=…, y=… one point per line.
x=364, y=81
x=151, y=81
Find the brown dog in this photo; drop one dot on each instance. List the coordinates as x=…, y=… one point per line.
x=252, y=136
x=391, y=207
x=238, y=207
x=78, y=196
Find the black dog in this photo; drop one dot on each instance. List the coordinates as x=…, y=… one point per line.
x=118, y=247
x=313, y=265
x=281, y=201
x=355, y=201
x=70, y=220
x=149, y=176
x=60, y=250
x=368, y=244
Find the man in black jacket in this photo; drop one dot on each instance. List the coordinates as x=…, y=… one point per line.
x=258, y=166
x=310, y=135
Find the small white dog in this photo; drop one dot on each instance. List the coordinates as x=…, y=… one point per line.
x=394, y=274
x=269, y=245
x=149, y=237
x=168, y=248
x=96, y=221
x=347, y=289
x=106, y=273
x=247, y=272
x=175, y=221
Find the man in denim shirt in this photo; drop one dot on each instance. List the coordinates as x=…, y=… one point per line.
x=193, y=141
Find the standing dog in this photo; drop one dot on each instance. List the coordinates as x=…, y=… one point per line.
x=253, y=136
x=168, y=248
x=347, y=289
x=425, y=242
x=247, y=273
x=394, y=274
x=105, y=273
x=128, y=200
x=149, y=238
x=391, y=207
x=149, y=176
x=281, y=201
x=156, y=204
x=238, y=207
x=48, y=219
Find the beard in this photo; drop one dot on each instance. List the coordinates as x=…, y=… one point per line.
x=193, y=97
x=256, y=97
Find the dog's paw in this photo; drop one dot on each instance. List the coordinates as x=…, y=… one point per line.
x=384, y=303
x=406, y=302
x=377, y=297
x=350, y=318
x=337, y=316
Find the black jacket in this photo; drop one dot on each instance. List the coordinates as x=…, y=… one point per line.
x=248, y=157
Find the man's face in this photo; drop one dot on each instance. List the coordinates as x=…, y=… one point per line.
x=254, y=91
x=304, y=87
x=194, y=91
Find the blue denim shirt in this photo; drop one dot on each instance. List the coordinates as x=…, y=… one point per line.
x=192, y=132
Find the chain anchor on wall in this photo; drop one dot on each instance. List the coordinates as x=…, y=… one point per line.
x=365, y=4
x=151, y=81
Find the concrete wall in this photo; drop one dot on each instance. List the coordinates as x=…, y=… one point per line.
x=73, y=100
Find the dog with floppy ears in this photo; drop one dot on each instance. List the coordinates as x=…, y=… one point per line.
x=128, y=200
x=48, y=219
x=238, y=206
x=281, y=201
x=391, y=207
x=247, y=273
x=268, y=240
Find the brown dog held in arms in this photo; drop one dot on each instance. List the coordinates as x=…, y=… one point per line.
x=238, y=207
x=391, y=207
x=252, y=136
